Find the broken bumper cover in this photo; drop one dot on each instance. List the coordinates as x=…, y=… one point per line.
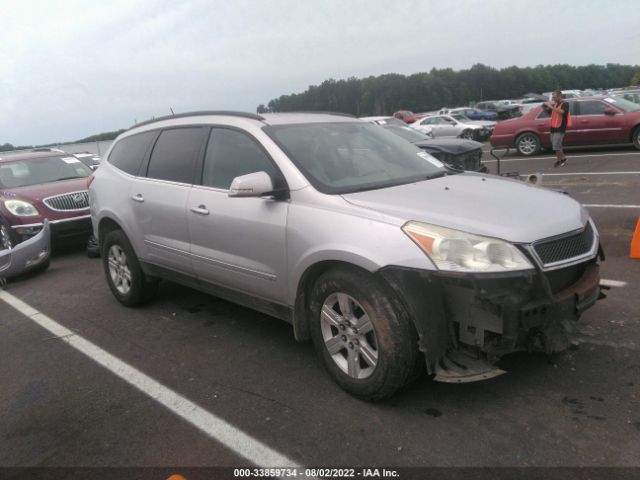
x=26, y=255
x=465, y=323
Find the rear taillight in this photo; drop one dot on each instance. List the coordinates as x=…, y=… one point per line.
x=90, y=179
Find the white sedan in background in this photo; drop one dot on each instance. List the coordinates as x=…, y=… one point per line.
x=454, y=126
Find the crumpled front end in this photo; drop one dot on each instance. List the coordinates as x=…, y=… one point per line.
x=467, y=322
x=25, y=256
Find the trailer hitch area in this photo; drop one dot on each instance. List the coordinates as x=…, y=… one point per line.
x=458, y=367
x=504, y=151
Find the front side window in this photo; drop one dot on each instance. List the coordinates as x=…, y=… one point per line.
x=345, y=157
x=231, y=154
x=129, y=153
x=23, y=173
x=174, y=154
x=592, y=108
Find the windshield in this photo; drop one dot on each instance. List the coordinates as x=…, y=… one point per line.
x=33, y=171
x=460, y=117
x=623, y=104
x=351, y=157
x=407, y=133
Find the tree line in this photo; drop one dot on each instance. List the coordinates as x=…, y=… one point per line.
x=384, y=94
x=7, y=147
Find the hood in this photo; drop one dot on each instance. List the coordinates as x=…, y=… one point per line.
x=481, y=204
x=43, y=190
x=452, y=146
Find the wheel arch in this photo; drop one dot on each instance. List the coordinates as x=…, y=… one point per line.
x=105, y=226
x=633, y=130
x=308, y=278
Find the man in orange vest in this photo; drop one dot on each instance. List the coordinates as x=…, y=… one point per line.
x=560, y=120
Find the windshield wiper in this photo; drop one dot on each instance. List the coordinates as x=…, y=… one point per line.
x=66, y=178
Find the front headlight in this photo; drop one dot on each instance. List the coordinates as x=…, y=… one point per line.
x=456, y=251
x=20, y=208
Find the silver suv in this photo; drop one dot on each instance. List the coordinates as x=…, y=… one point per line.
x=388, y=260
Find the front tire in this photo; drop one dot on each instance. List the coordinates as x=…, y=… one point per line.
x=125, y=277
x=365, y=339
x=528, y=144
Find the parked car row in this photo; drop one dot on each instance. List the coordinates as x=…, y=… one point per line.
x=389, y=259
x=459, y=154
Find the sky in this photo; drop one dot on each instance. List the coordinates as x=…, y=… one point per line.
x=72, y=68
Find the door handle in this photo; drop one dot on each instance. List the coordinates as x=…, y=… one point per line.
x=138, y=198
x=200, y=210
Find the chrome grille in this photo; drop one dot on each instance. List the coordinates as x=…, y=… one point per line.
x=565, y=248
x=69, y=201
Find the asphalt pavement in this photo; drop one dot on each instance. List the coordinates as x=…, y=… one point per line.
x=216, y=384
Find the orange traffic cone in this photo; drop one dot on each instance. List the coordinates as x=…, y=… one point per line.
x=635, y=242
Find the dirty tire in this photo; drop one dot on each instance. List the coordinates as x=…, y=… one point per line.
x=395, y=335
x=140, y=288
x=528, y=144
x=635, y=138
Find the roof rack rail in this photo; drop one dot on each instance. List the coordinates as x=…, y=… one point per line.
x=342, y=114
x=229, y=113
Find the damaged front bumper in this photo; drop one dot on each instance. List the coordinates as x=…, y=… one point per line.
x=25, y=256
x=466, y=322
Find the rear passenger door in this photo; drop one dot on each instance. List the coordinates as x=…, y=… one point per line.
x=238, y=243
x=159, y=197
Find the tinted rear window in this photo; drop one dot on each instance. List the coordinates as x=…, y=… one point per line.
x=174, y=155
x=128, y=153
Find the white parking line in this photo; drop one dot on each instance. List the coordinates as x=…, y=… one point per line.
x=219, y=430
x=597, y=205
x=587, y=173
x=550, y=157
x=605, y=343
x=612, y=283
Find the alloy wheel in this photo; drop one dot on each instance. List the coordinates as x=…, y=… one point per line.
x=349, y=335
x=527, y=145
x=119, y=269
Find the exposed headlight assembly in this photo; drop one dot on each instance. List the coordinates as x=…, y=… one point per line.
x=20, y=208
x=456, y=251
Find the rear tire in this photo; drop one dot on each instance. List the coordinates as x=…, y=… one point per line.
x=365, y=339
x=528, y=144
x=635, y=138
x=125, y=277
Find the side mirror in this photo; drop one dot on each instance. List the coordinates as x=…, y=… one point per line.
x=251, y=185
x=610, y=111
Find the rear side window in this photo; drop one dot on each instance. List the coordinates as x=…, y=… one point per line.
x=174, y=154
x=128, y=153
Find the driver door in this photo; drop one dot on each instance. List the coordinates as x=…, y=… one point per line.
x=238, y=242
